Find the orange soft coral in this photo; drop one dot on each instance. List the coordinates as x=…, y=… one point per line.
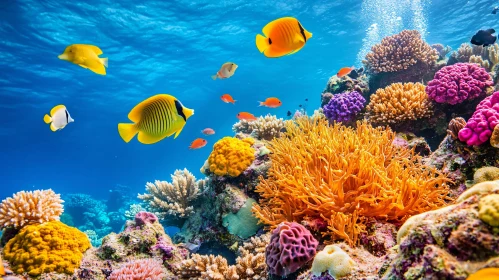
x=344, y=176
x=231, y=156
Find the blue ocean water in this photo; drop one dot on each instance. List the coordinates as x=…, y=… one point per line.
x=174, y=47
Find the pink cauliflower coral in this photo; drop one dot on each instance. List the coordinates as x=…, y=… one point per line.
x=291, y=246
x=138, y=270
x=456, y=83
x=481, y=124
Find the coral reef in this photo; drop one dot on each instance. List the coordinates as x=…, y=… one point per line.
x=173, y=198
x=337, y=85
x=455, y=125
x=263, y=128
x=398, y=103
x=486, y=57
x=479, y=127
x=344, y=107
x=88, y=213
x=32, y=207
x=342, y=176
x=494, y=138
x=333, y=259
x=442, y=51
x=459, y=82
x=231, y=156
x=48, y=247
x=488, y=209
x=242, y=223
x=138, y=270
x=487, y=173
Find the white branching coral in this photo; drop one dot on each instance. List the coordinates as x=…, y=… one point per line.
x=264, y=128
x=32, y=207
x=173, y=198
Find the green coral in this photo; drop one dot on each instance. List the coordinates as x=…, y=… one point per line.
x=243, y=223
x=488, y=209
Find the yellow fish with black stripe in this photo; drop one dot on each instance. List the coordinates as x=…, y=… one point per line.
x=154, y=119
x=283, y=36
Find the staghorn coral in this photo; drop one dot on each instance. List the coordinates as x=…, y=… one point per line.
x=487, y=57
x=173, y=198
x=231, y=156
x=32, y=207
x=252, y=267
x=206, y=267
x=488, y=209
x=398, y=103
x=133, y=210
x=138, y=270
x=442, y=51
x=479, y=127
x=48, y=247
x=342, y=176
x=263, y=128
x=455, y=125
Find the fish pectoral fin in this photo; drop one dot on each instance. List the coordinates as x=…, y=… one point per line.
x=262, y=43
x=83, y=66
x=56, y=108
x=145, y=138
x=178, y=131
x=52, y=127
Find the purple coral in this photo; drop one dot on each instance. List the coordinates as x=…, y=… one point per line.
x=344, y=107
x=479, y=127
x=144, y=217
x=164, y=247
x=291, y=246
x=456, y=83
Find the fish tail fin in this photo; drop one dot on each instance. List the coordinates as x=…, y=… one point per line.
x=353, y=67
x=261, y=103
x=47, y=119
x=262, y=43
x=104, y=61
x=98, y=69
x=214, y=77
x=233, y=101
x=127, y=131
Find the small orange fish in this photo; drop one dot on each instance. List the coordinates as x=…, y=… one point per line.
x=208, y=131
x=490, y=273
x=227, y=98
x=271, y=102
x=344, y=71
x=246, y=116
x=198, y=143
x=2, y=269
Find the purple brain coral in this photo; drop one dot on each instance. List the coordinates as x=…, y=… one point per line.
x=344, y=107
x=456, y=83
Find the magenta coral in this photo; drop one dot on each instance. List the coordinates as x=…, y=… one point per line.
x=481, y=124
x=291, y=246
x=144, y=217
x=138, y=270
x=456, y=83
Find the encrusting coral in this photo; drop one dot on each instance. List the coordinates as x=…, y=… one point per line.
x=488, y=209
x=173, y=198
x=343, y=176
x=32, y=207
x=333, y=259
x=263, y=128
x=231, y=156
x=399, y=102
x=48, y=247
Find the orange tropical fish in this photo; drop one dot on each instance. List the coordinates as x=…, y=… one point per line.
x=344, y=71
x=208, y=131
x=198, y=143
x=246, y=116
x=490, y=273
x=227, y=98
x=283, y=36
x=271, y=102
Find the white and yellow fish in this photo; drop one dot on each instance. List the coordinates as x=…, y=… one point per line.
x=59, y=118
x=226, y=71
x=86, y=56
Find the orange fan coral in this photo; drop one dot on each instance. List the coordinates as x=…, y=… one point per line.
x=344, y=176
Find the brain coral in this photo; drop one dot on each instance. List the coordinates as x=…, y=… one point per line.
x=480, y=126
x=344, y=107
x=488, y=209
x=44, y=248
x=231, y=156
x=399, y=102
x=33, y=207
x=344, y=176
x=138, y=270
x=456, y=83
x=399, y=52
x=291, y=246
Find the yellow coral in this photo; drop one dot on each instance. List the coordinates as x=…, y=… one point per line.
x=334, y=260
x=399, y=102
x=231, y=156
x=343, y=176
x=44, y=248
x=488, y=209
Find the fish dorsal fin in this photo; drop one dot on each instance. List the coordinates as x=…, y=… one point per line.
x=136, y=113
x=56, y=108
x=267, y=28
x=490, y=31
x=95, y=49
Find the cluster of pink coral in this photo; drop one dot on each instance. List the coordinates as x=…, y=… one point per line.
x=138, y=270
x=291, y=246
x=143, y=217
x=456, y=83
x=480, y=126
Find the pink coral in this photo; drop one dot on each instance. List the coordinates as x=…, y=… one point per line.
x=481, y=124
x=138, y=270
x=456, y=83
x=144, y=217
x=291, y=246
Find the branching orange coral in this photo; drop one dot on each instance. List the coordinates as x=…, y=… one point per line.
x=345, y=175
x=399, y=102
x=399, y=52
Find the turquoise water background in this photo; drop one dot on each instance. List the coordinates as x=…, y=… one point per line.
x=174, y=47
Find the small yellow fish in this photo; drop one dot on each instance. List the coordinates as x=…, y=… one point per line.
x=87, y=56
x=59, y=118
x=226, y=71
x=155, y=118
x=491, y=273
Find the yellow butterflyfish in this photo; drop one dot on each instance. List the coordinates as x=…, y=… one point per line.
x=58, y=119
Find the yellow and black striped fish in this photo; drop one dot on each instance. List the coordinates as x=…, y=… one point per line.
x=155, y=118
x=283, y=36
